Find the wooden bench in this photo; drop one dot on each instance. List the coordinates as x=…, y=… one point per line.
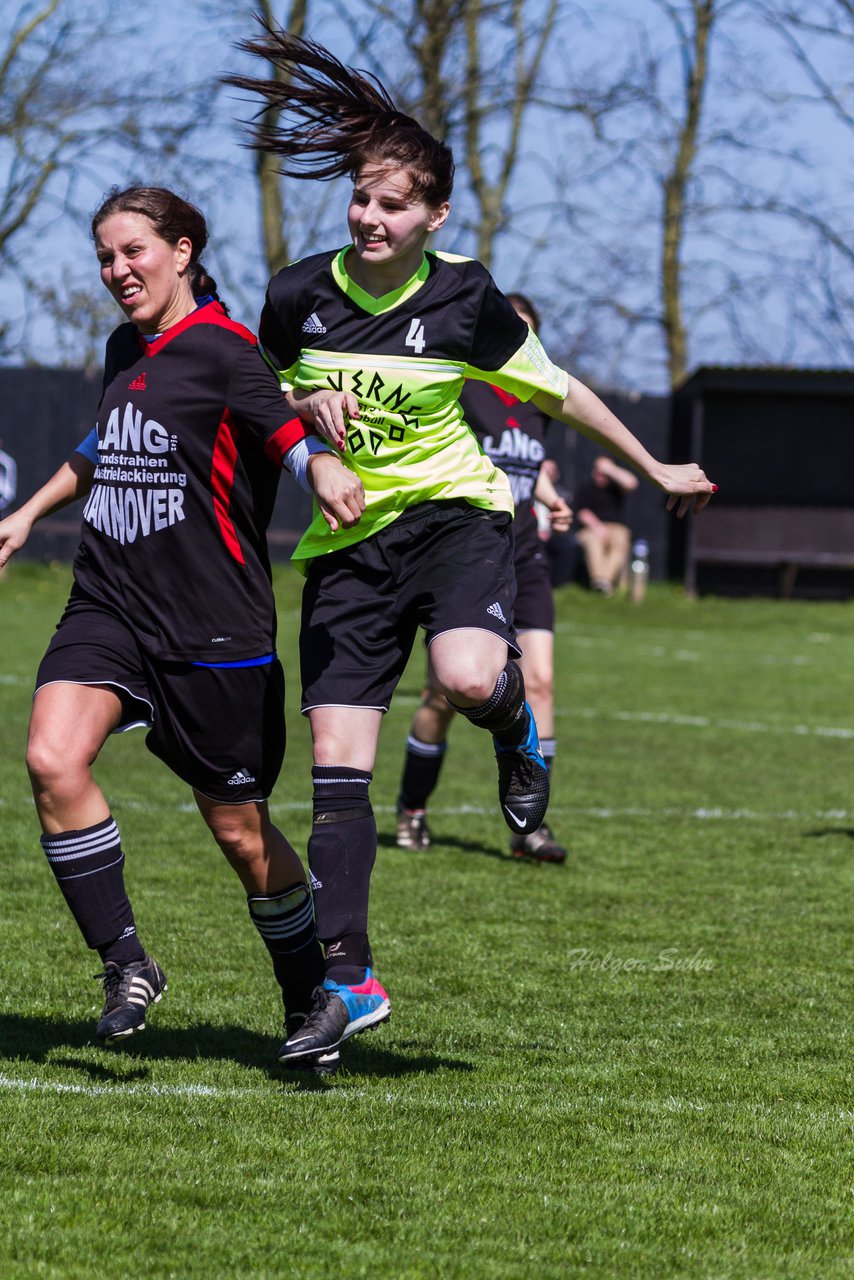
x=782, y=538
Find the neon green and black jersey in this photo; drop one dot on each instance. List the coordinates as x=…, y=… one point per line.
x=405, y=357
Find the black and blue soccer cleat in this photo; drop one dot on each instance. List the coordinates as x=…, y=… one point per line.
x=523, y=781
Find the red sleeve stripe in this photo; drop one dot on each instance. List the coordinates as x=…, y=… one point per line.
x=222, y=483
x=283, y=439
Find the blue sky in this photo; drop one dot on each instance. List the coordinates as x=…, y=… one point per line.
x=595, y=247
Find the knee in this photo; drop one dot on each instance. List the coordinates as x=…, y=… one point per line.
x=238, y=839
x=436, y=703
x=431, y=720
x=51, y=765
x=539, y=685
x=469, y=683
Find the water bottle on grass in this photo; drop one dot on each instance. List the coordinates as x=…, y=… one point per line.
x=638, y=571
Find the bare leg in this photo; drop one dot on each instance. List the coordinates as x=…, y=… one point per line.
x=537, y=663
x=278, y=896
x=68, y=726
x=263, y=859
x=345, y=735
x=465, y=665
x=471, y=668
x=433, y=718
x=425, y=753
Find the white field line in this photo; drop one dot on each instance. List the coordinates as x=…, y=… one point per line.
x=640, y=717
x=686, y=721
x=123, y=1090
x=345, y=1095
x=514, y=1099
x=707, y=722
x=601, y=812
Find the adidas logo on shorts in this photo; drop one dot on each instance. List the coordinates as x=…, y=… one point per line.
x=496, y=611
x=313, y=325
x=240, y=778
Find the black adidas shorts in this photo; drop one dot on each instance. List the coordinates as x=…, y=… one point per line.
x=221, y=730
x=440, y=566
x=535, y=609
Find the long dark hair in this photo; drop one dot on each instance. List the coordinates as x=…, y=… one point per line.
x=172, y=217
x=340, y=119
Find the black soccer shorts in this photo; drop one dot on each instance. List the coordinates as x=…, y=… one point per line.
x=535, y=608
x=221, y=730
x=440, y=566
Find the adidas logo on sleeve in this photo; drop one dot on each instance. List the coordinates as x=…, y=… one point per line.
x=313, y=325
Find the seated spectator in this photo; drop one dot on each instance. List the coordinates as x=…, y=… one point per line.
x=602, y=533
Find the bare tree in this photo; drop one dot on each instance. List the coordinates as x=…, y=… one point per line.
x=707, y=223
x=652, y=182
x=791, y=220
x=693, y=38
x=807, y=32
x=277, y=250
x=72, y=122
x=528, y=46
x=818, y=38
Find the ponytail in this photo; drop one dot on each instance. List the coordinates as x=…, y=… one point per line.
x=203, y=285
x=337, y=119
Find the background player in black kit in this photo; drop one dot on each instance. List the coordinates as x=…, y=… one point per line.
x=375, y=340
x=171, y=620
x=512, y=433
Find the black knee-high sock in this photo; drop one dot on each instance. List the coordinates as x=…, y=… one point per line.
x=88, y=866
x=285, y=921
x=341, y=854
x=504, y=713
x=421, y=770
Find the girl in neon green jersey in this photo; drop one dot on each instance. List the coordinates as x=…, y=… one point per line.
x=373, y=342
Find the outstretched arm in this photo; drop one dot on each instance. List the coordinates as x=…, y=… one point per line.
x=685, y=483
x=73, y=480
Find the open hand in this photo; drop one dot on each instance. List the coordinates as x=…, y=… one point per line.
x=687, y=484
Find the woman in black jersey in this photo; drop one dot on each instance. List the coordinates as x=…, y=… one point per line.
x=375, y=341
x=171, y=619
x=512, y=433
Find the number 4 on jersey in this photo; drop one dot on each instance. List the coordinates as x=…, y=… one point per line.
x=415, y=337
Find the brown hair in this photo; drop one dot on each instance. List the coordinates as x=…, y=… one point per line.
x=342, y=119
x=172, y=217
x=521, y=302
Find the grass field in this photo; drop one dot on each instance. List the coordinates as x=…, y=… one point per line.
x=636, y=1065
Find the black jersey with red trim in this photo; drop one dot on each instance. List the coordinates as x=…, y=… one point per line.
x=405, y=357
x=192, y=430
x=512, y=432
